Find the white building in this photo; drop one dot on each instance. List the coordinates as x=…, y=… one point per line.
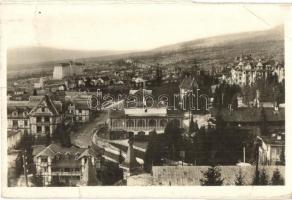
x=63, y=70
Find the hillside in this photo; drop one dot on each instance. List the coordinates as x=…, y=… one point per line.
x=208, y=52
x=221, y=50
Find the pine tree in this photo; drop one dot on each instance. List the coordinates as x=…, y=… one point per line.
x=239, y=178
x=277, y=179
x=212, y=177
x=192, y=125
x=263, y=178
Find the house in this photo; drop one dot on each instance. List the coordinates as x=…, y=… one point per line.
x=45, y=116
x=272, y=150
x=65, y=165
x=17, y=116
x=38, y=116
x=80, y=110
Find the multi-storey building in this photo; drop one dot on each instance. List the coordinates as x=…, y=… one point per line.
x=63, y=70
x=246, y=71
x=38, y=116
x=65, y=165
x=141, y=118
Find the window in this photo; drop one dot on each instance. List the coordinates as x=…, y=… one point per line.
x=47, y=129
x=44, y=160
x=47, y=119
x=38, y=119
x=39, y=129
x=43, y=109
x=14, y=123
x=14, y=113
x=66, y=170
x=25, y=123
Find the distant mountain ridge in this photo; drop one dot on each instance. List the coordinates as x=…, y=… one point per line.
x=36, y=55
x=275, y=34
x=209, y=51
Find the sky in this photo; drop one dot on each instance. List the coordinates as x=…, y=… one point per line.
x=129, y=27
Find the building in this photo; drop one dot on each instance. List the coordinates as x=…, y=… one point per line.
x=64, y=165
x=187, y=86
x=272, y=150
x=80, y=110
x=143, y=121
x=191, y=175
x=81, y=105
x=253, y=119
x=141, y=115
x=17, y=115
x=246, y=71
x=38, y=116
x=45, y=115
x=63, y=70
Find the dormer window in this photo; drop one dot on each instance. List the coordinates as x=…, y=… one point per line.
x=43, y=109
x=25, y=113
x=14, y=113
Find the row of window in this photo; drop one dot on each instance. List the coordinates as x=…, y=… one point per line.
x=46, y=119
x=39, y=129
x=140, y=123
x=15, y=123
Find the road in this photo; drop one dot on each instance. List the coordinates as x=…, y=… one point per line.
x=83, y=136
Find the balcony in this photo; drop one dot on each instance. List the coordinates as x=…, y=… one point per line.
x=59, y=173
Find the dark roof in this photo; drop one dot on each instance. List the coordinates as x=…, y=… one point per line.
x=64, y=64
x=274, y=139
x=250, y=114
x=39, y=99
x=191, y=175
x=53, y=149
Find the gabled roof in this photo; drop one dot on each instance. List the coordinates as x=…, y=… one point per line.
x=188, y=83
x=53, y=149
x=39, y=99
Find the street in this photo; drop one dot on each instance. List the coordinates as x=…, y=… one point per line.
x=82, y=137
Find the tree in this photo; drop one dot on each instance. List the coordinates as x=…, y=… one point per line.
x=212, y=177
x=263, y=178
x=277, y=179
x=239, y=178
x=191, y=126
x=62, y=136
x=173, y=137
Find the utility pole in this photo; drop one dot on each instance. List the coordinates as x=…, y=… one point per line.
x=257, y=164
x=24, y=158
